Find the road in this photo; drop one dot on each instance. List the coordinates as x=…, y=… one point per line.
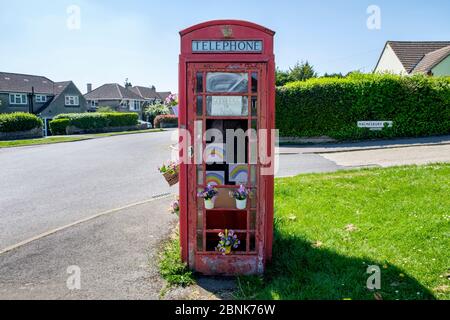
x=49, y=186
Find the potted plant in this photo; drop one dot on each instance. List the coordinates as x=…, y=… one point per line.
x=241, y=195
x=209, y=194
x=228, y=242
x=170, y=172
x=175, y=207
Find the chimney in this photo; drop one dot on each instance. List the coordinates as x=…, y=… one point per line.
x=89, y=87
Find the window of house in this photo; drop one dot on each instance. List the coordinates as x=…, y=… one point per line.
x=94, y=104
x=40, y=98
x=72, y=100
x=18, y=98
x=135, y=105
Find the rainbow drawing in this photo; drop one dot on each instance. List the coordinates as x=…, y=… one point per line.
x=238, y=173
x=215, y=153
x=215, y=178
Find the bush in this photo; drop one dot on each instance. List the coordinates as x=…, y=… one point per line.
x=168, y=119
x=58, y=127
x=151, y=112
x=105, y=109
x=418, y=106
x=123, y=119
x=98, y=121
x=19, y=121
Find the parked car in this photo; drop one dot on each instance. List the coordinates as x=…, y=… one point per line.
x=145, y=124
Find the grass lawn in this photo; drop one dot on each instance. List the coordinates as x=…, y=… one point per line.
x=330, y=227
x=58, y=139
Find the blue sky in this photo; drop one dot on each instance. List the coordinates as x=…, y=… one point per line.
x=139, y=39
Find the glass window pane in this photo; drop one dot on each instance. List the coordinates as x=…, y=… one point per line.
x=199, y=82
x=254, y=200
x=254, y=106
x=200, y=174
x=252, y=242
x=200, y=241
x=253, y=220
x=238, y=174
x=254, y=82
x=227, y=82
x=199, y=106
x=253, y=175
x=198, y=142
x=227, y=106
x=200, y=219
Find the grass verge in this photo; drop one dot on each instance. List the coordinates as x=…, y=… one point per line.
x=32, y=142
x=59, y=139
x=171, y=267
x=329, y=228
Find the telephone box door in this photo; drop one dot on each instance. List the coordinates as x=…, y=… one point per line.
x=226, y=107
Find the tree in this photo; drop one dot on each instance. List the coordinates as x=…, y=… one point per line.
x=302, y=71
x=105, y=109
x=152, y=111
x=282, y=77
x=333, y=75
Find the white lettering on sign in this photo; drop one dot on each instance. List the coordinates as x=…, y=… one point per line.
x=206, y=46
x=375, y=125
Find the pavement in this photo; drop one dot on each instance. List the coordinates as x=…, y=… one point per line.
x=116, y=256
x=391, y=157
x=90, y=205
x=379, y=153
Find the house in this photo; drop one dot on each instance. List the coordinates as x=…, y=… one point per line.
x=164, y=95
x=39, y=95
x=150, y=94
x=119, y=98
x=412, y=57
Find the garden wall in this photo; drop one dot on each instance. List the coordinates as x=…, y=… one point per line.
x=331, y=107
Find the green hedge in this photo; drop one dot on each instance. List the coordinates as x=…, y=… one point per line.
x=418, y=106
x=123, y=119
x=58, y=127
x=96, y=121
x=19, y=121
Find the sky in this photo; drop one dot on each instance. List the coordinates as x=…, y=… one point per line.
x=139, y=40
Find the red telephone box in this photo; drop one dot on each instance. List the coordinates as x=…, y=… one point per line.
x=226, y=82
